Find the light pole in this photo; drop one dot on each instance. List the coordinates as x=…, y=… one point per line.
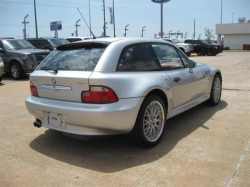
x=77, y=26
x=24, y=23
x=104, y=21
x=104, y=28
x=169, y=33
x=142, y=31
x=221, y=12
x=233, y=17
x=89, y=20
x=186, y=34
x=177, y=34
x=126, y=30
x=35, y=18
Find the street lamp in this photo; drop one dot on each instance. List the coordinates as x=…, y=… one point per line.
x=177, y=33
x=104, y=28
x=186, y=34
x=126, y=30
x=221, y=12
x=77, y=26
x=142, y=31
x=24, y=23
x=169, y=33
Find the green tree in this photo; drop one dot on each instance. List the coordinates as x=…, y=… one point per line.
x=209, y=35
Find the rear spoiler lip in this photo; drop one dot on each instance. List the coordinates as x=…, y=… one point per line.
x=82, y=45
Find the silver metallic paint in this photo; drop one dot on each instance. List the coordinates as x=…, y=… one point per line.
x=130, y=87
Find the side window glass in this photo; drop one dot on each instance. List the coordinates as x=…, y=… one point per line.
x=168, y=57
x=184, y=59
x=35, y=43
x=43, y=43
x=138, y=58
x=197, y=42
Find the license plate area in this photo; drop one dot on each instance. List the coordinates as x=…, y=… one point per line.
x=55, y=120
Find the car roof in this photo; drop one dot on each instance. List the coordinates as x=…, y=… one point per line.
x=43, y=38
x=78, y=37
x=106, y=41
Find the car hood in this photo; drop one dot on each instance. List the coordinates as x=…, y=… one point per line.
x=30, y=51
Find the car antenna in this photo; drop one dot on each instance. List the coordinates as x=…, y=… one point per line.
x=86, y=23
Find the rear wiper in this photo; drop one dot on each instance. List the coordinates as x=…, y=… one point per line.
x=49, y=68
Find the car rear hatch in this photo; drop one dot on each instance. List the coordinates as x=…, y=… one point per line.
x=64, y=74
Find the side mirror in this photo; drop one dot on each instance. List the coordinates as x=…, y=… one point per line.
x=192, y=64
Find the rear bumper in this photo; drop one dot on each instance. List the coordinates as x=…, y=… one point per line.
x=87, y=119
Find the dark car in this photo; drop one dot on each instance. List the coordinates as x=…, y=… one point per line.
x=20, y=57
x=202, y=47
x=47, y=43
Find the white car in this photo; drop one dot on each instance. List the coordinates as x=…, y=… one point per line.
x=113, y=86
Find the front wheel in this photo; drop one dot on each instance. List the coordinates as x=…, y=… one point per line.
x=216, y=90
x=150, y=123
x=188, y=54
x=16, y=70
x=210, y=52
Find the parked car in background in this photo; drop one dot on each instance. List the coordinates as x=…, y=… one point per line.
x=20, y=57
x=186, y=48
x=202, y=47
x=47, y=43
x=77, y=39
x=119, y=86
x=1, y=69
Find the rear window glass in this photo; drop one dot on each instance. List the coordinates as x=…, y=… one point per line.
x=72, y=60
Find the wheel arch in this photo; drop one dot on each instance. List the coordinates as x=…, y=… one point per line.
x=13, y=61
x=182, y=49
x=161, y=94
x=218, y=73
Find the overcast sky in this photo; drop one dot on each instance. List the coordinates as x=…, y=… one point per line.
x=178, y=15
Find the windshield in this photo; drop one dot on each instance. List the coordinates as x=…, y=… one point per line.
x=72, y=60
x=176, y=41
x=17, y=44
x=57, y=42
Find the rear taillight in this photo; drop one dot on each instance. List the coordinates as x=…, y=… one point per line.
x=33, y=90
x=99, y=95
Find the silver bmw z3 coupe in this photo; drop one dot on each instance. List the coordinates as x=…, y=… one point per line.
x=114, y=86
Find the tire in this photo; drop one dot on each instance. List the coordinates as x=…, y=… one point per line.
x=16, y=70
x=209, y=52
x=188, y=54
x=1, y=78
x=149, y=128
x=216, y=90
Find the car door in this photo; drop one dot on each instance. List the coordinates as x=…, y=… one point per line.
x=187, y=85
x=197, y=46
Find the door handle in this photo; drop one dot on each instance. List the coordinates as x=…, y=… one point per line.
x=177, y=79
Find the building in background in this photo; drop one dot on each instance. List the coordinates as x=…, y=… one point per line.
x=235, y=34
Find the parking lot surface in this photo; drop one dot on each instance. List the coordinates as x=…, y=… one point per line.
x=205, y=146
